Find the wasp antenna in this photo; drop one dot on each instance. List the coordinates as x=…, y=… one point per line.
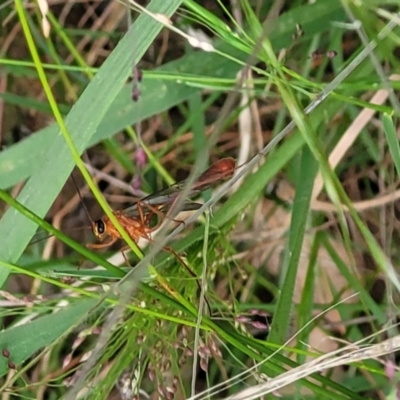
x=40, y=239
x=51, y=235
x=83, y=203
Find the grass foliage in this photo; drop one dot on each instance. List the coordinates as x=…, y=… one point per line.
x=296, y=255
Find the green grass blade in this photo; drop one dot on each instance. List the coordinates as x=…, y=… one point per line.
x=392, y=139
x=305, y=182
x=25, y=340
x=58, y=234
x=82, y=122
x=19, y=162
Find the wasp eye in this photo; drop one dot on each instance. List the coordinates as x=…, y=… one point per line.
x=100, y=228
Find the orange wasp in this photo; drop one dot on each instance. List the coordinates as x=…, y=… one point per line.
x=136, y=219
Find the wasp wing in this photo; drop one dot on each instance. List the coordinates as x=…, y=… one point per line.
x=220, y=170
x=147, y=208
x=164, y=199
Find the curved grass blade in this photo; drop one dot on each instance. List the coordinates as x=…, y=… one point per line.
x=82, y=122
x=25, y=340
x=59, y=235
x=19, y=161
